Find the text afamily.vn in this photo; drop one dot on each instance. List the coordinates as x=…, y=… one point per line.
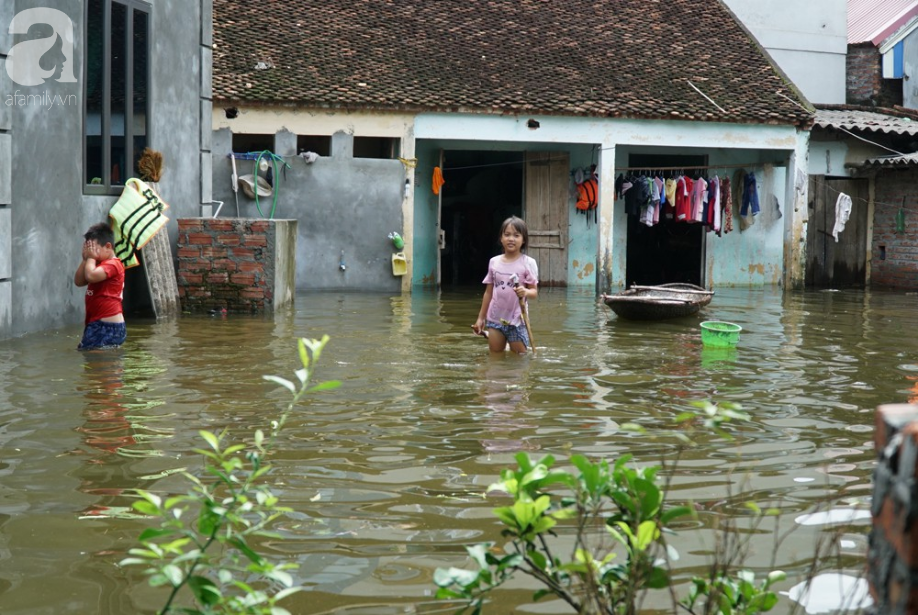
x=44, y=99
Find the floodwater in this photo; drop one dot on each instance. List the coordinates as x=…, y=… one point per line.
x=386, y=473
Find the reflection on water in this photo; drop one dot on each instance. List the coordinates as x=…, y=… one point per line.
x=386, y=474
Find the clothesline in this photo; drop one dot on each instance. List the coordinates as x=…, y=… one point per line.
x=855, y=198
x=699, y=167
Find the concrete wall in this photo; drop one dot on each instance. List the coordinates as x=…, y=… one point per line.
x=807, y=40
x=44, y=212
x=345, y=208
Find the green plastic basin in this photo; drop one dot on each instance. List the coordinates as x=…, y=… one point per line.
x=720, y=334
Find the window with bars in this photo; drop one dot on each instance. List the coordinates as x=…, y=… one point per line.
x=116, y=120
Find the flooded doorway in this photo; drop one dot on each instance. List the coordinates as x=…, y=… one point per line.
x=482, y=189
x=669, y=251
x=831, y=263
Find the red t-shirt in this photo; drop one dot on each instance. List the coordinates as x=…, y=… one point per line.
x=103, y=298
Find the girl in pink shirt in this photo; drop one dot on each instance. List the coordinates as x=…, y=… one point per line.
x=511, y=276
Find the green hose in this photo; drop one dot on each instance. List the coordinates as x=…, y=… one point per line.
x=274, y=203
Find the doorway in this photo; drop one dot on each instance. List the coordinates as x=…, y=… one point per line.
x=831, y=264
x=669, y=251
x=482, y=189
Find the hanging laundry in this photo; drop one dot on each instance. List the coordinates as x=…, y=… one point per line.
x=842, y=213
x=698, y=196
x=714, y=218
x=739, y=197
x=750, y=196
x=801, y=182
x=438, y=180
x=726, y=202
x=669, y=188
x=684, y=187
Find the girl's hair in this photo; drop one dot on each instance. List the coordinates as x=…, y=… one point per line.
x=519, y=225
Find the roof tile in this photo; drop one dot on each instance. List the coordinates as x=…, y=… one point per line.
x=630, y=58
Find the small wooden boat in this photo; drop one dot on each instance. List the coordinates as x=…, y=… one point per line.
x=658, y=302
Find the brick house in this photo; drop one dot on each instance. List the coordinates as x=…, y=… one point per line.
x=866, y=149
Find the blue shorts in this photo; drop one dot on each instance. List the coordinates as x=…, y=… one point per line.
x=513, y=333
x=101, y=334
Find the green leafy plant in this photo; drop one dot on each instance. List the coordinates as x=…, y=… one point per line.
x=609, y=506
x=737, y=595
x=204, y=541
x=595, y=537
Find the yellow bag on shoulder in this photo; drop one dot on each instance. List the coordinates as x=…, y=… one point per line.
x=136, y=217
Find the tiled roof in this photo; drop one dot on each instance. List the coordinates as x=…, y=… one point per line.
x=867, y=119
x=628, y=58
x=874, y=20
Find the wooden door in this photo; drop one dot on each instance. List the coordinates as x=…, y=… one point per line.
x=831, y=264
x=545, y=209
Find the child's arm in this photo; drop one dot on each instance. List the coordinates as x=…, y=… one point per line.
x=79, y=278
x=93, y=271
x=483, y=312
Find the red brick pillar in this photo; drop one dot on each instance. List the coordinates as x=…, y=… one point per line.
x=892, y=560
x=237, y=264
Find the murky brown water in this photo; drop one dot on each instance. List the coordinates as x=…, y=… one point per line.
x=424, y=421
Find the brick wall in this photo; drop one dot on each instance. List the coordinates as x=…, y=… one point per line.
x=864, y=79
x=899, y=268
x=240, y=264
x=892, y=557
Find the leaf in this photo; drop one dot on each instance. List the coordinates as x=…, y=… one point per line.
x=769, y=601
x=676, y=512
x=239, y=543
x=301, y=349
x=287, y=592
x=658, y=578
x=775, y=576
x=146, y=508
x=507, y=515
x=204, y=589
x=647, y=533
x=301, y=375
x=479, y=554
x=282, y=577
x=211, y=439
x=444, y=577
x=281, y=381
x=325, y=386
x=173, y=574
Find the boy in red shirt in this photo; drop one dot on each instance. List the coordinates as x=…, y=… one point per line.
x=103, y=275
